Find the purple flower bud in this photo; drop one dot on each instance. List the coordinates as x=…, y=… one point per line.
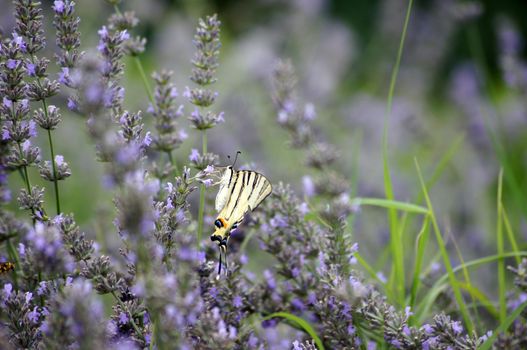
x=148, y=139
x=32, y=128
x=182, y=134
x=6, y=136
x=21, y=249
x=187, y=93
x=271, y=283
x=244, y=259
x=123, y=318
x=457, y=327
x=209, y=169
x=7, y=102
x=194, y=155
x=351, y=329
x=8, y=288
x=59, y=160
x=58, y=6
x=42, y=287
x=278, y=221
x=24, y=103
x=308, y=185
x=298, y=304
x=220, y=118
x=34, y=315
x=72, y=105
x=237, y=302
x=64, y=75
x=26, y=145
x=312, y=298
x=19, y=41
x=31, y=69
x=428, y=329
x=408, y=311
x=396, y=344
x=381, y=277
x=29, y=296
x=11, y=63
x=232, y=332
x=123, y=35
x=103, y=32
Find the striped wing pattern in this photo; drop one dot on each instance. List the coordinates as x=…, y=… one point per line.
x=244, y=191
x=223, y=192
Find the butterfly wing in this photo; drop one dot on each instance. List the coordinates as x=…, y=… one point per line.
x=261, y=189
x=227, y=179
x=247, y=191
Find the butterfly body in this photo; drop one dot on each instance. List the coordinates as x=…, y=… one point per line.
x=6, y=267
x=240, y=191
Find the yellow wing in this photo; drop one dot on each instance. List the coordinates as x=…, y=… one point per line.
x=246, y=191
x=227, y=179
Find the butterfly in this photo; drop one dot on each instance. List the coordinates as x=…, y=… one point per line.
x=6, y=267
x=240, y=191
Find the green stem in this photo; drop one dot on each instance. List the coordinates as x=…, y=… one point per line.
x=54, y=167
x=55, y=181
x=145, y=80
x=173, y=162
x=24, y=169
x=202, y=193
x=396, y=239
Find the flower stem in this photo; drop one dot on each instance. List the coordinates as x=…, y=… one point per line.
x=145, y=81
x=24, y=169
x=202, y=193
x=55, y=180
x=173, y=162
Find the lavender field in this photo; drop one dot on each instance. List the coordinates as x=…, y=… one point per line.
x=266, y=174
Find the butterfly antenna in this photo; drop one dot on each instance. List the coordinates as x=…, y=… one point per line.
x=235, y=158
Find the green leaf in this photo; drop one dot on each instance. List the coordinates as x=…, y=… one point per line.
x=306, y=326
x=392, y=204
x=454, y=283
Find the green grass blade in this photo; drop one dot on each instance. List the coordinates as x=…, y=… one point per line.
x=443, y=162
x=388, y=187
x=510, y=234
x=503, y=327
x=420, y=247
x=441, y=283
x=446, y=259
x=499, y=243
x=306, y=326
x=392, y=205
x=478, y=295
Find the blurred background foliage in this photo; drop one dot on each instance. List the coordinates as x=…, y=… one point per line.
x=454, y=96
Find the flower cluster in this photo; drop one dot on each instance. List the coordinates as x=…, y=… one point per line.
x=205, y=62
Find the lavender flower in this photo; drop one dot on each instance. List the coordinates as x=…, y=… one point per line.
x=166, y=114
x=205, y=62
